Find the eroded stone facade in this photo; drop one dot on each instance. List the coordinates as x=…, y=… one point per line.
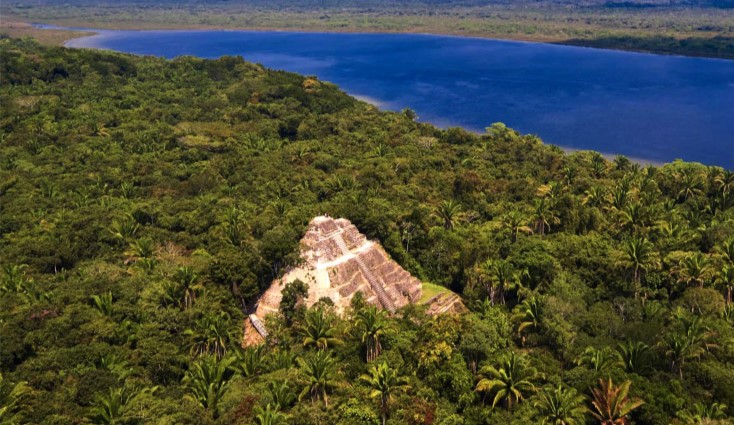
x=338, y=262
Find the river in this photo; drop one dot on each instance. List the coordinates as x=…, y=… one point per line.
x=652, y=108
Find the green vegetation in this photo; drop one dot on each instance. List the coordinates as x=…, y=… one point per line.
x=702, y=28
x=430, y=290
x=145, y=204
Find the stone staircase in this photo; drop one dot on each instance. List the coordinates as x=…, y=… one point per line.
x=259, y=326
x=375, y=283
x=444, y=303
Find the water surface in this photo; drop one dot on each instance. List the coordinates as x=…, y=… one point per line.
x=649, y=107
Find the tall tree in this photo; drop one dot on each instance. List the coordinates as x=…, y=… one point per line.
x=510, y=381
x=528, y=315
x=516, y=222
x=635, y=357
x=693, y=269
x=320, y=376
x=371, y=323
x=689, y=184
x=208, y=380
x=638, y=256
x=188, y=285
x=690, y=341
x=599, y=360
x=702, y=414
x=211, y=335
x=561, y=406
x=725, y=278
x=611, y=404
x=501, y=278
x=448, y=212
x=318, y=331
x=249, y=361
x=544, y=216
x=384, y=382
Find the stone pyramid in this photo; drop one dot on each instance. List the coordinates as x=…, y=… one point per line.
x=339, y=261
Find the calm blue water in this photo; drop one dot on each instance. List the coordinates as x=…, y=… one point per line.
x=648, y=107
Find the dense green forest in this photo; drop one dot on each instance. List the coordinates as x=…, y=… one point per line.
x=146, y=203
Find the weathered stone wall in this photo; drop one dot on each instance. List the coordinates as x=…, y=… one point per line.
x=334, y=271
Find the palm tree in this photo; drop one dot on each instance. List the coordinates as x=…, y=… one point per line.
x=598, y=165
x=693, y=270
x=599, y=360
x=674, y=232
x=621, y=162
x=281, y=393
x=103, y=303
x=728, y=314
x=301, y=154
x=635, y=357
x=448, y=212
x=638, y=255
x=116, y=365
x=529, y=315
x=249, y=361
x=702, y=414
x=319, y=371
x=127, y=190
x=11, y=400
x=611, y=404
x=543, y=216
x=724, y=181
x=502, y=277
x=689, y=183
x=726, y=250
x=510, y=381
x=188, y=280
x=279, y=208
x=142, y=248
x=270, y=415
x=594, y=197
x=318, y=331
x=14, y=278
x=281, y=359
x=233, y=226
x=126, y=227
x=561, y=406
x=517, y=222
x=371, y=323
x=107, y=408
x=208, y=380
x=383, y=381
x=725, y=278
x=691, y=342
x=633, y=217
x=679, y=348
x=210, y=335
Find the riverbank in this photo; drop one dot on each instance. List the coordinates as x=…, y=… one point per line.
x=688, y=32
x=595, y=99
x=48, y=37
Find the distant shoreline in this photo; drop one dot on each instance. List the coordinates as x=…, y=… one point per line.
x=91, y=27
x=92, y=32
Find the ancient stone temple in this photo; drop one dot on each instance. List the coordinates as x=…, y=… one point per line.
x=338, y=262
